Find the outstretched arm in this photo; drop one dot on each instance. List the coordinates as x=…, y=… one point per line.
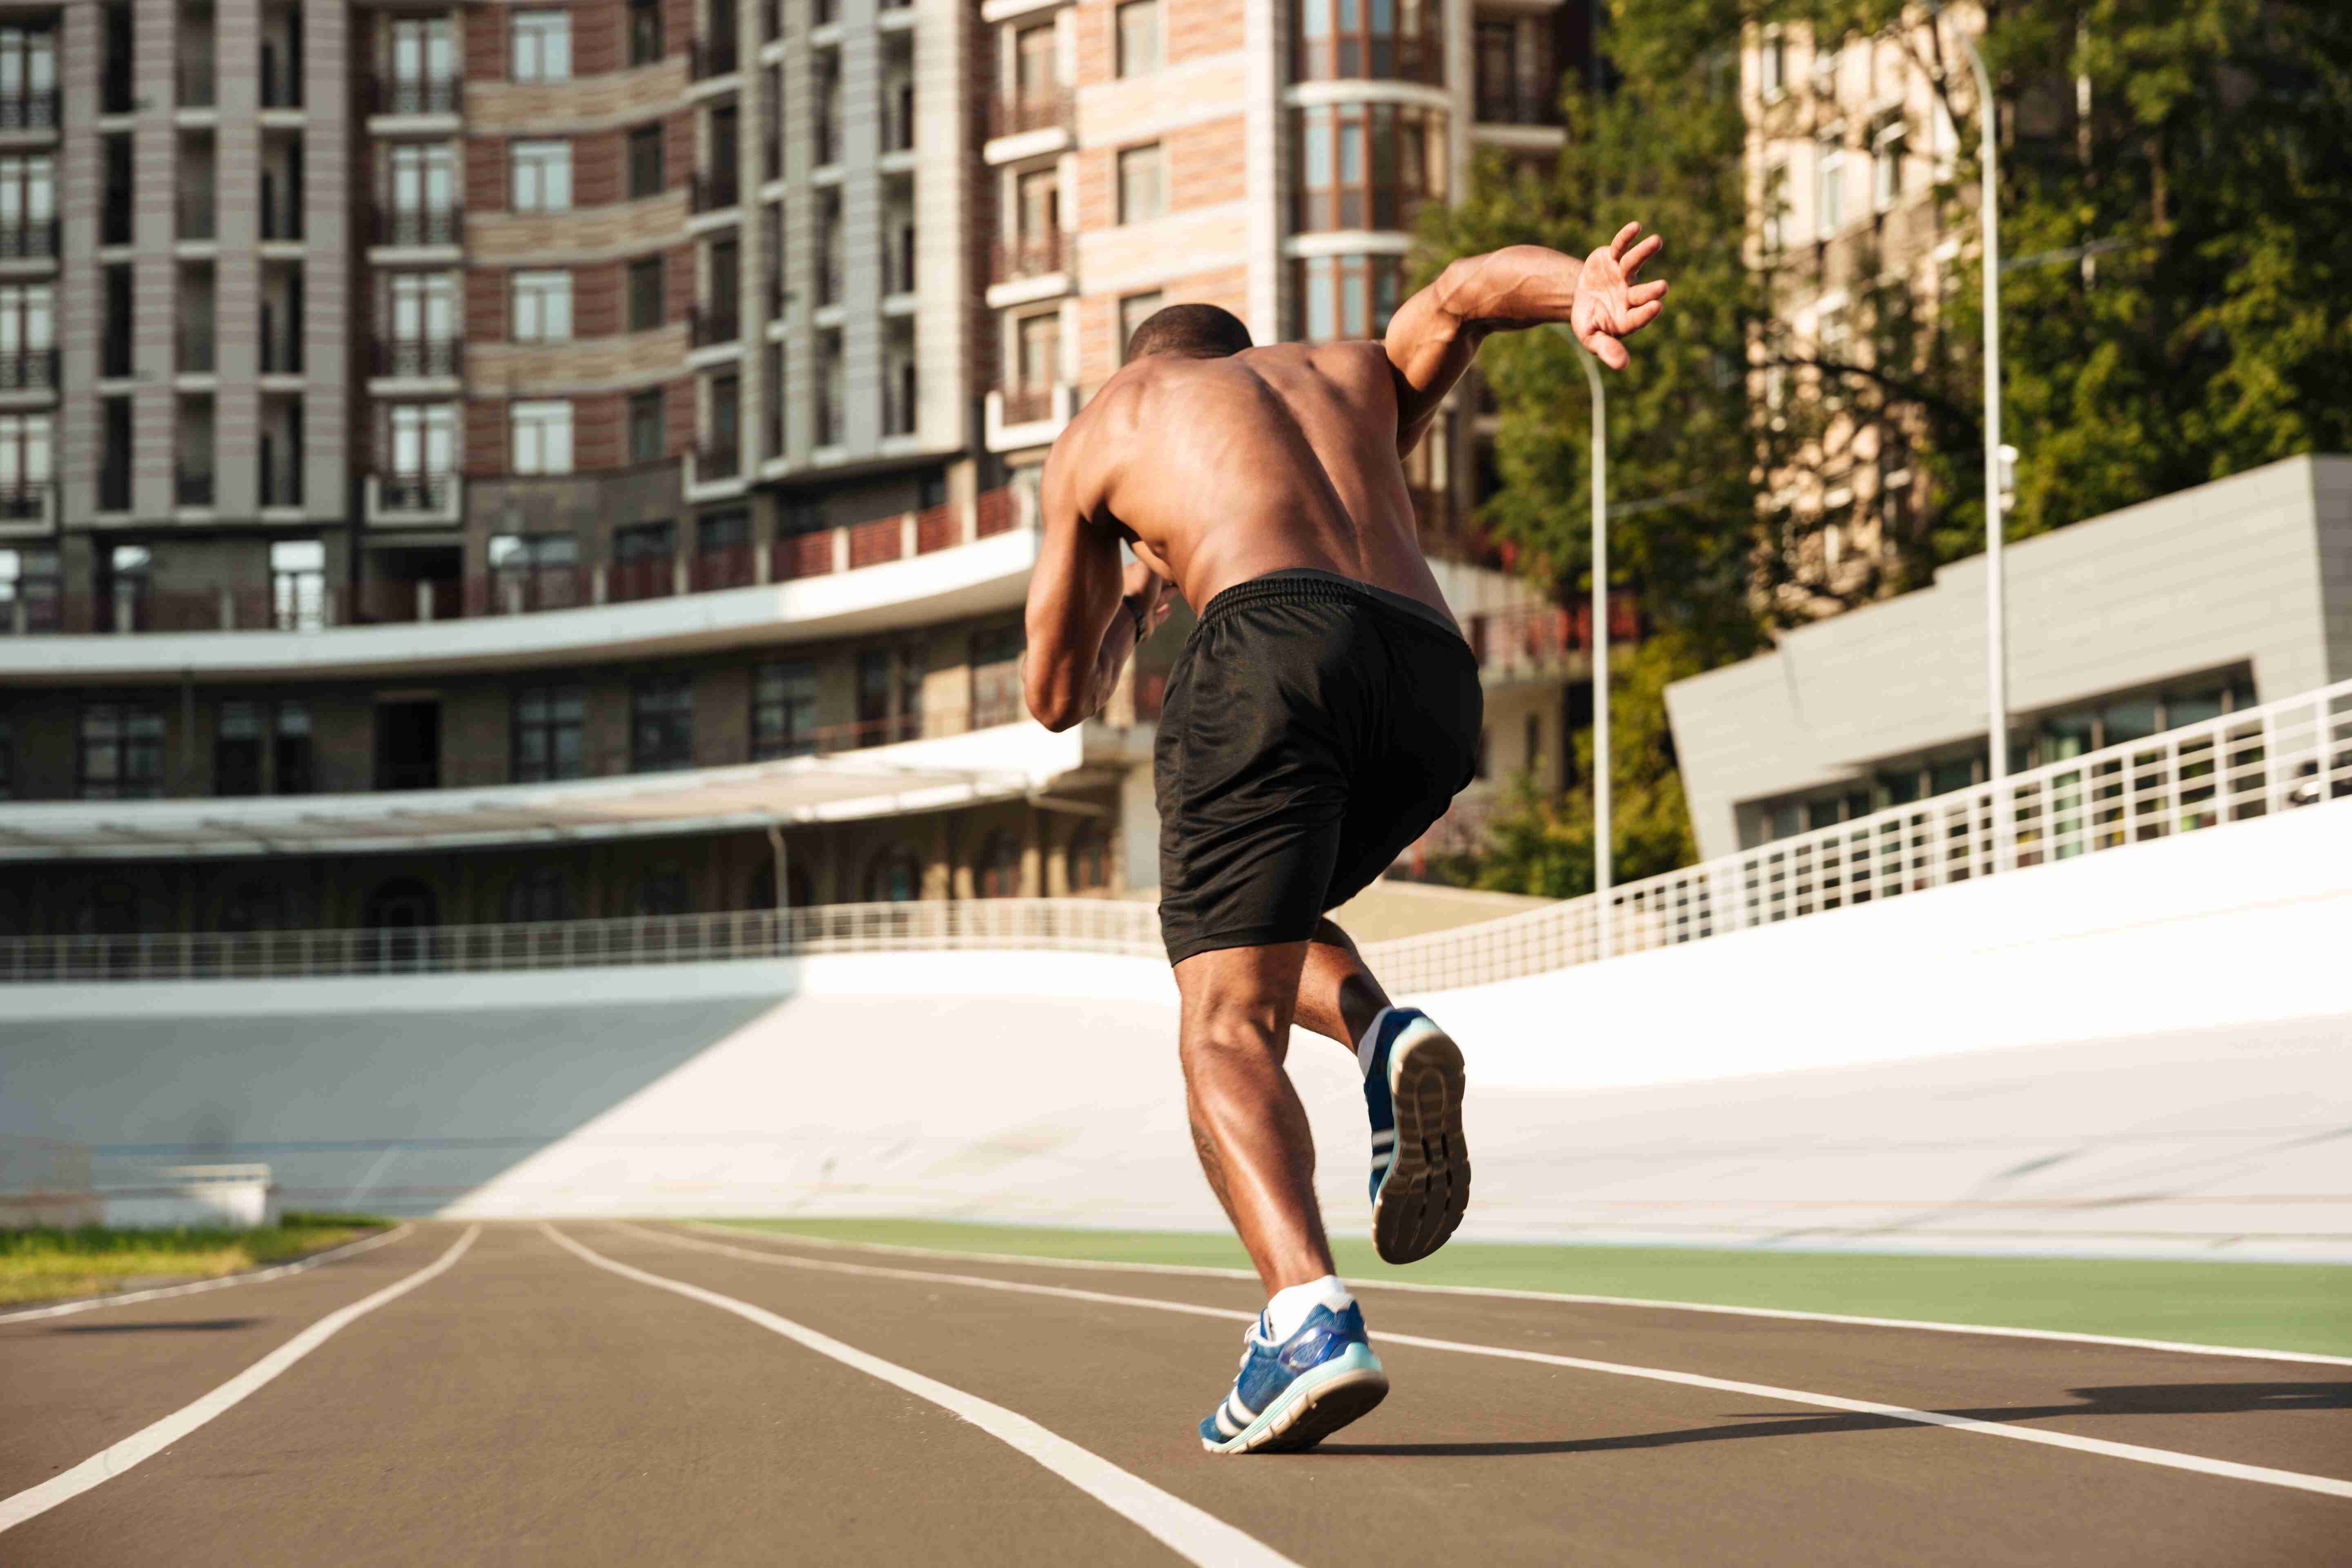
x=1434, y=336
x=1085, y=614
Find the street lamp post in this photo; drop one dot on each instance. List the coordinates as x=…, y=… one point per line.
x=1996, y=620
x=1601, y=867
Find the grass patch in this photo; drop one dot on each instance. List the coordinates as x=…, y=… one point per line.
x=2263, y=1306
x=57, y=1265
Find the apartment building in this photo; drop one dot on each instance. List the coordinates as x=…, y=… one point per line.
x=468, y=464
x=1847, y=139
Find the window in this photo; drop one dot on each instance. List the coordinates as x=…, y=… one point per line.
x=29, y=204
x=1825, y=69
x=1531, y=742
x=543, y=437
x=424, y=438
x=542, y=45
x=1142, y=195
x=1345, y=39
x=542, y=306
x=423, y=307
x=996, y=677
x=1036, y=65
x=648, y=425
x=874, y=696
x=122, y=751
x=424, y=180
x=293, y=761
x=1776, y=208
x=896, y=877
x=533, y=572
x=424, y=49
x=646, y=294
x=542, y=893
x=1133, y=311
x=28, y=76
x=1832, y=183
x=31, y=591
x=1886, y=161
x=1040, y=340
x=26, y=453
x=1088, y=861
x=27, y=332
x=646, y=161
x=543, y=176
x=547, y=722
x=1139, y=37
x=783, y=709
x=661, y=723
x=1773, y=65
x=1367, y=165
x=236, y=748
x=298, y=584
x=1347, y=296
x=644, y=32
x=663, y=891
x=1833, y=334
x=997, y=874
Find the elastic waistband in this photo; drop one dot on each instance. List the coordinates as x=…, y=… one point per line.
x=1306, y=584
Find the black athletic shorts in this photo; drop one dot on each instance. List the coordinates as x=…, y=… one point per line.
x=1313, y=728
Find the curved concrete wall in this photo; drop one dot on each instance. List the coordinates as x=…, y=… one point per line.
x=2141, y=1051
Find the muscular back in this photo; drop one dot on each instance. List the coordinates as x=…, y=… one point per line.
x=1219, y=470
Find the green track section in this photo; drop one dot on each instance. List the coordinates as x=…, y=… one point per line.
x=2263, y=1306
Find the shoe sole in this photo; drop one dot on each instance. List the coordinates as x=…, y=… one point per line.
x=1314, y=1407
x=1427, y=1190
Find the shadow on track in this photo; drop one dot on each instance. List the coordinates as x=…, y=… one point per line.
x=200, y=1325
x=2151, y=1399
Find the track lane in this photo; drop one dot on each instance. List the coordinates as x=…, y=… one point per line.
x=71, y=1385
x=2261, y=1412
x=1523, y=1462
x=527, y=1406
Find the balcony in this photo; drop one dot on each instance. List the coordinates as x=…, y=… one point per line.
x=281, y=82
x=1039, y=109
x=417, y=358
x=406, y=498
x=1356, y=207
x=28, y=239
x=716, y=459
x=712, y=325
x=1034, y=256
x=1019, y=416
x=191, y=488
x=1516, y=103
x=708, y=58
x=28, y=109
x=29, y=370
x=197, y=352
x=410, y=227
x=193, y=82
x=283, y=219
x=415, y=95
x=1544, y=639
x=27, y=504
x=282, y=353
x=199, y=216
x=1024, y=404
x=716, y=190
x=1374, y=56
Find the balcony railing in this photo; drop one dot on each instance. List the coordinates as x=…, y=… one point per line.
x=711, y=325
x=191, y=488
x=1024, y=404
x=282, y=218
x=415, y=95
x=708, y=58
x=716, y=190
x=397, y=225
x=1516, y=103
x=282, y=482
x=1034, y=255
x=29, y=370
x=414, y=493
x=29, y=110
x=27, y=500
x=1379, y=57
x=193, y=80
x=1541, y=637
x=727, y=566
x=196, y=355
x=417, y=357
x=28, y=239
x=717, y=460
x=199, y=216
x=1357, y=208
x=1038, y=109
x=282, y=353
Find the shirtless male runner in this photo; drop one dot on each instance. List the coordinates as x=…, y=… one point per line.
x=1321, y=716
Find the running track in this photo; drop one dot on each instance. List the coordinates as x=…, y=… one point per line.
x=607, y=1393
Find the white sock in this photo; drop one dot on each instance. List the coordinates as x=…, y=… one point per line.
x=1364, y=1046
x=1286, y=1313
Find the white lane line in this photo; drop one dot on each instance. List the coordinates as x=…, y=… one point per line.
x=2167, y=1458
x=1189, y=1532
x=279, y=1271
x=151, y=1440
x=1203, y=1271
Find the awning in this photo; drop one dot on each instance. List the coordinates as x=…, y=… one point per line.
x=1007, y=763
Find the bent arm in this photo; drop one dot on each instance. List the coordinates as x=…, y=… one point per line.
x=1080, y=623
x=1434, y=336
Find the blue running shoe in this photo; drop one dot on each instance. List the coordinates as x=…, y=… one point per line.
x=1421, y=1165
x=1293, y=1395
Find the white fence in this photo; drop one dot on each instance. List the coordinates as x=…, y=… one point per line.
x=2279, y=756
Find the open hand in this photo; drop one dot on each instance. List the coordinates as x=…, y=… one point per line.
x=1609, y=305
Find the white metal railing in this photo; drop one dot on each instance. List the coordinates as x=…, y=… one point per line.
x=2279, y=756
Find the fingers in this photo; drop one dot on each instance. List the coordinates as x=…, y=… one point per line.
x=1641, y=316
x=1608, y=350
x=1641, y=252
x=1642, y=293
x=1624, y=237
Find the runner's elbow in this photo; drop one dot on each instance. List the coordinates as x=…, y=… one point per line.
x=1054, y=703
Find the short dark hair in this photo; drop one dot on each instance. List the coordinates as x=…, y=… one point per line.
x=1209, y=332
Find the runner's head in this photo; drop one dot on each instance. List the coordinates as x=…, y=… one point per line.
x=1194, y=332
